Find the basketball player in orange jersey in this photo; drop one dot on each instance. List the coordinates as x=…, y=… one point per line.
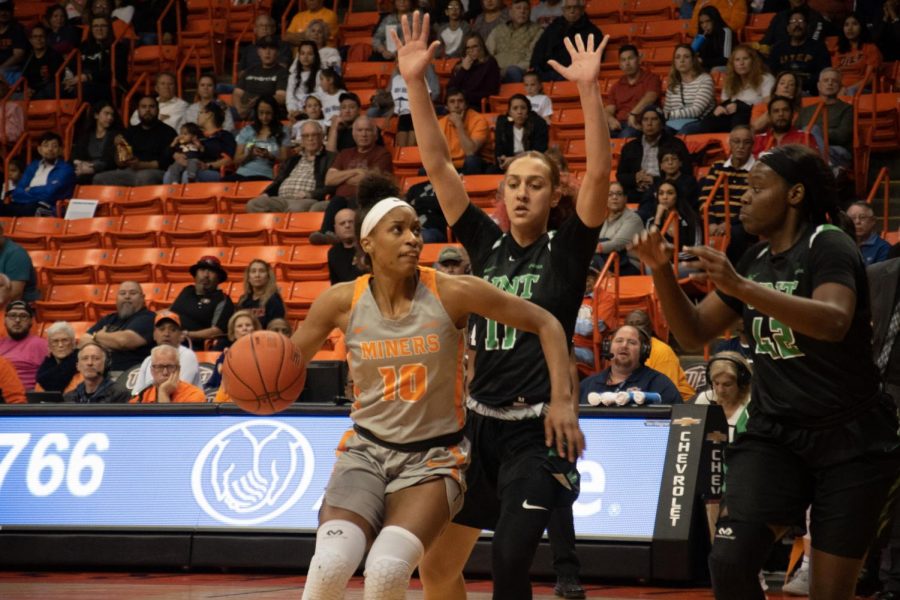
x=399, y=477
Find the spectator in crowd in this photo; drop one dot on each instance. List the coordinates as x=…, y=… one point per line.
x=296, y=31
x=636, y=90
x=732, y=12
x=303, y=78
x=94, y=150
x=782, y=131
x=242, y=323
x=261, y=297
x=206, y=93
x=840, y=120
x=493, y=14
x=857, y=58
x=13, y=42
x=746, y=83
x=280, y=326
x=383, y=48
x=40, y=67
x=453, y=260
x=142, y=153
x=522, y=130
x=312, y=111
x=331, y=86
x=165, y=372
x=778, y=26
x=202, y=159
x=126, y=334
x=16, y=266
x=261, y=144
x=728, y=376
x=267, y=79
x=639, y=162
x=13, y=177
x=617, y=231
x=11, y=390
x=662, y=358
x=61, y=35
x=167, y=332
x=477, y=75
x=452, y=32
x=300, y=183
x=342, y=259
x=97, y=385
x=466, y=132
x=319, y=32
x=204, y=309
x=12, y=123
x=97, y=76
x=188, y=145
x=405, y=135
x=422, y=198
x=691, y=93
x=534, y=90
x=627, y=371
x=550, y=45
x=45, y=181
x=671, y=170
x=546, y=12
x=687, y=225
x=788, y=85
x=340, y=133
x=884, y=282
x=800, y=52
x=714, y=39
x=512, y=43
x=737, y=169
x=873, y=247
x=22, y=348
x=172, y=109
x=886, y=31
x=263, y=27
x=346, y=172
x=58, y=371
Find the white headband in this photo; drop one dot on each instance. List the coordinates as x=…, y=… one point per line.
x=377, y=212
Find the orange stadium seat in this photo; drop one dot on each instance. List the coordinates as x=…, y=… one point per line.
x=146, y=200
x=430, y=253
x=306, y=263
x=408, y=182
x=482, y=189
x=709, y=147
x=40, y=260
x=407, y=161
x=137, y=230
x=500, y=101
x=105, y=194
x=301, y=297
x=620, y=34
x=663, y=33
x=36, y=233
x=87, y=233
x=78, y=266
x=756, y=27
x=134, y=264
x=359, y=48
x=177, y=270
x=660, y=56
x=648, y=10
x=69, y=302
x=603, y=12
x=154, y=293
x=243, y=255
x=358, y=22
x=251, y=229
x=365, y=96
x=568, y=123
x=366, y=74
x=236, y=201
x=194, y=230
x=298, y=228
x=198, y=198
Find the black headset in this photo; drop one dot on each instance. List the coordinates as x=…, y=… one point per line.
x=107, y=358
x=744, y=375
x=645, y=344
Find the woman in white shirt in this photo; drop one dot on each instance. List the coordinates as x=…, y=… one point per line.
x=331, y=86
x=303, y=79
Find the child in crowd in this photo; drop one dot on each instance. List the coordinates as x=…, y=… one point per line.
x=670, y=171
x=329, y=94
x=13, y=175
x=188, y=143
x=312, y=111
x=534, y=89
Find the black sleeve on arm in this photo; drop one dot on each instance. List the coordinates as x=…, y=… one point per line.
x=834, y=258
x=579, y=243
x=742, y=267
x=477, y=232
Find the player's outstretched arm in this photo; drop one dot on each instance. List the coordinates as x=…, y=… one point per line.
x=413, y=57
x=464, y=294
x=584, y=71
x=329, y=310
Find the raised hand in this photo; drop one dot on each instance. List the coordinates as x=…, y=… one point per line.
x=585, y=65
x=652, y=249
x=414, y=55
x=718, y=269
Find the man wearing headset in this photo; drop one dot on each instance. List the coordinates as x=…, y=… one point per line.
x=627, y=349
x=96, y=388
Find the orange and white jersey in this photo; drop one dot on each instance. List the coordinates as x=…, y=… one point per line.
x=407, y=372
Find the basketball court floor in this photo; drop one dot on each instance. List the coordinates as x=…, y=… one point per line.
x=162, y=586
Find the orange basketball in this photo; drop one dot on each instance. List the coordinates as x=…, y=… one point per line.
x=263, y=372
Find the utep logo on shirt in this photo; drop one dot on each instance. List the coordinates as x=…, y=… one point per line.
x=252, y=472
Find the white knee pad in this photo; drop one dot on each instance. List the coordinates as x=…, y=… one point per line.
x=391, y=561
x=340, y=546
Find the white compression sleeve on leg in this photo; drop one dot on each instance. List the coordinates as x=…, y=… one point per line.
x=391, y=561
x=340, y=546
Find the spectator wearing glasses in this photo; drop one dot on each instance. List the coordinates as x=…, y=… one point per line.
x=97, y=386
x=22, y=348
x=873, y=248
x=167, y=332
x=167, y=387
x=41, y=66
x=58, y=372
x=551, y=46
x=477, y=75
x=101, y=64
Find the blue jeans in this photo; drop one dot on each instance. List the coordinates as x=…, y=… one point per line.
x=513, y=74
x=472, y=165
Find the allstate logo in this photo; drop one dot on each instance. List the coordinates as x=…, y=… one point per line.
x=252, y=472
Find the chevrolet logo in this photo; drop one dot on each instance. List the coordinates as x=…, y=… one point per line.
x=686, y=421
x=716, y=437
